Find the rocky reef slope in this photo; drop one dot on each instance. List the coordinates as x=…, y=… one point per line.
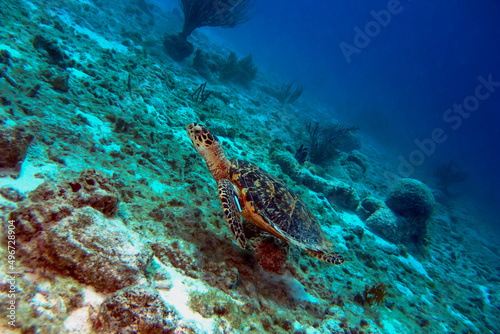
x=116, y=221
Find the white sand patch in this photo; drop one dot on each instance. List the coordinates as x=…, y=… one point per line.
x=87, y=2
x=78, y=74
x=31, y=5
x=403, y=289
x=13, y=53
x=40, y=300
x=392, y=326
x=178, y=297
x=78, y=321
x=8, y=121
x=99, y=130
x=351, y=218
x=411, y=261
x=113, y=147
x=486, y=295
x=92, y=297
x=158, y=187
x=460, y=316
x=299, y=327
x=137, y=146
x=80, y=57
x=444, y=328
x=424, y=299
x=334, y=234
x=384, y=245
x=27, y=181
x=151, y=110
x=296, y=288
x=103, y=43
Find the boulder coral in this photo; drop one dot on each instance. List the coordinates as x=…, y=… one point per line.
x=411, y=199
x=135, y=310
x=356, y=165
x=343, y=195
x=288, y=164
x=385, y=223
x=368, y=206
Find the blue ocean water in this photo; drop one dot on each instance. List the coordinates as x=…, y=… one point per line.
x=398, y=69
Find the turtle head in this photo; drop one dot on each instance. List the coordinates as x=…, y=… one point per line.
x=210, y=149
x=201, y=137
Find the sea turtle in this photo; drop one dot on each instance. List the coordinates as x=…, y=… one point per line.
x=247, y=190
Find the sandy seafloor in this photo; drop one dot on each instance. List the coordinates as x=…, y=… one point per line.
x=125, y=207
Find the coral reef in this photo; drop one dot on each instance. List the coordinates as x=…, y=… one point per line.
x=368, y=206
x=356, y=165
x=216, y=303
x=411, y=199
x=201, y=13
x=241, y=71
x=343, y=195
x=135, y=310
x=95, y=251
x=50, y=50
x=372, y=295
x=386, y=223
x=225, y=14
x=286, y=94
x=288, y=164
x=178, y=48
x=301, y=154
x=117, y=223
x=410, y=228
x=324, y=140
x=205, y=66
x=69, y=228
x=200, y=94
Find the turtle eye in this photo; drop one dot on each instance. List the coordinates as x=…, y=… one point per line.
x=198, y=132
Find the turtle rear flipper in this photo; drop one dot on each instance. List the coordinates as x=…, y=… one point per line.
x=327, y=256
x=228, y=198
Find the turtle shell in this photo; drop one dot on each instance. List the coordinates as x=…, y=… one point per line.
x=266, y=197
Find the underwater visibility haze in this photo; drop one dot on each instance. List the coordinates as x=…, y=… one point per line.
x=249, y=166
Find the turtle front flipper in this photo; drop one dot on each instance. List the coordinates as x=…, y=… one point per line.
x=229, y=197
x=327, y=256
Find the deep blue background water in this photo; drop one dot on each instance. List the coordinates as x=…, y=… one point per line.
x=399, y=86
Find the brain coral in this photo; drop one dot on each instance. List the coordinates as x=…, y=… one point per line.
x=412, y=199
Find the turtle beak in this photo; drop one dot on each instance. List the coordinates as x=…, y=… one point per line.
x=194, y=131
